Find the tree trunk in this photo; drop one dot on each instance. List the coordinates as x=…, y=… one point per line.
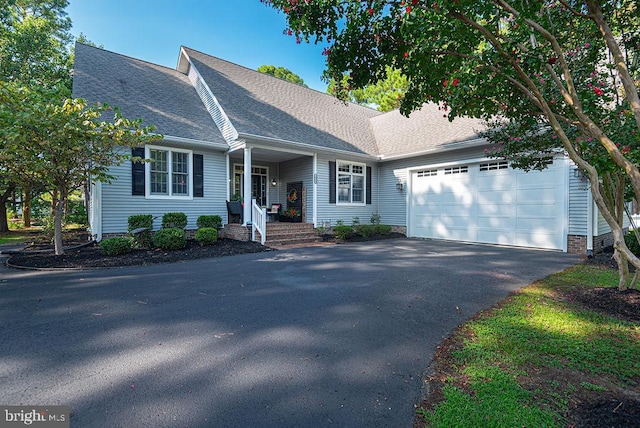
x=623, y=270
x=4, y=224
x=26, y=207
x=57, y=221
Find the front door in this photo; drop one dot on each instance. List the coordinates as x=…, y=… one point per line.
x=258, y=183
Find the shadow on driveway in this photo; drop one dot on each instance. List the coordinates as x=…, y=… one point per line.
x=313, y=336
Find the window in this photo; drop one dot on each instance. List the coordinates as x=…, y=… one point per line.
x=169, y=172
x=456, y=170
x=492, y=166
x=351, y=183
x=427, y=173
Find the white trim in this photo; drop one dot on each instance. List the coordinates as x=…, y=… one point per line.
x=233, y=181
x=196, y=143
x=147, y=173
x=450, y=146
x=351, y=174
x=310, y=147
x=96, y=210
x=446, y=164
x=314, y=199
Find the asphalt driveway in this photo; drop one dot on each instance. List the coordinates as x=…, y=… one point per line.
x=319, y=336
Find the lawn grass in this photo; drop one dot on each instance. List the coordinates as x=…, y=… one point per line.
x=523, y=362
x=16, y=237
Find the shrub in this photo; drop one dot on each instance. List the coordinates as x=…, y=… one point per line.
x=174, y=220
x=382, y=229
x=343, y=232
x=207, y=235
x=632, y=243
x=141, y=239
x=115, y=246
x=375, y=219
x=170, y=238
x=214, y=221
x=76, y=213
x=366, y=230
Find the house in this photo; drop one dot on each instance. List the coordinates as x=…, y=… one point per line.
x=231, y=130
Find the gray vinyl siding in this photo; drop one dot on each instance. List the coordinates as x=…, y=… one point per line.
x=300, y=169
x=393, y=203
x=578, y=200
x=345, y=212
x=118, y=204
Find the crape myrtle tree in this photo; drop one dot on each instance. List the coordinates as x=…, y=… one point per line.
x=63, y=143
x=569, y=65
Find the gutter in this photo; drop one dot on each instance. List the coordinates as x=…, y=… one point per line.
x=451, y=146
x=196, y=143
x=590, y=223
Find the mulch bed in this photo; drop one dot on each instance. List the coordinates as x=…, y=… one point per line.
x=91, y=257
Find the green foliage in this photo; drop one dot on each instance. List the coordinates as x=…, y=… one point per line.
x=174, y=220
x=142, y=239
x=281, y=73
x=115, y=246
x=384, y=95
x=632, y=243
x=76, y=212
x=382, y=229
x=528, y=333
x=207, y=235
x=214, y=221
x=365, y=230
x=375, y=219
x=343, y=232
x=170, y=238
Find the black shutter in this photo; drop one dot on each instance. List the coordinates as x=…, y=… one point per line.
x=369, y=186
x=332, y=182
x=198, y=176
x=137, y=172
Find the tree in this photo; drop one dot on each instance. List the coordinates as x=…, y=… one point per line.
x=62, y=143
x=485, y=58
x=34, y=39
x=384, y=95
x=282, y=73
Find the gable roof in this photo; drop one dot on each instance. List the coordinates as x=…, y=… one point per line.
x=261, y=105
x=159, y=95
x=425, y=130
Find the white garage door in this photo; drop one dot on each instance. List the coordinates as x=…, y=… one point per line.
x=490, y=203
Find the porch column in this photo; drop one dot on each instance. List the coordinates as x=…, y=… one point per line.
x=315, y=190
x=247, y=185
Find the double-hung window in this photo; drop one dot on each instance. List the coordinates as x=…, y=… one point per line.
x=169, y=172
x=351, y=182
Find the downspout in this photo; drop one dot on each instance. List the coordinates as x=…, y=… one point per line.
x=590, y=223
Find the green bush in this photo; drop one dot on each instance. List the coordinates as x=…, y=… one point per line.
x=207, y=235
x=115, y=246
x=382, y=229
x=76, y=212
x=343, y=232
x=174, y=220
x=632, y=243
x=366, y=230
x=214, y=221
x=141, y=239
x=170, y=238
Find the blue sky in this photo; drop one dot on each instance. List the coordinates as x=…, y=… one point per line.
x=245, y=32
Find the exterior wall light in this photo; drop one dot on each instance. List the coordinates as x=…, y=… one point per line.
x=274, y=183
x=399, y=186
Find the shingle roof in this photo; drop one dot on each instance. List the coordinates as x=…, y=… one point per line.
x=159, y=95
x=425, y=129
x=266, y=106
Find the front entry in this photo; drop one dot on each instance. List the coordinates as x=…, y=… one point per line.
x=258, y=183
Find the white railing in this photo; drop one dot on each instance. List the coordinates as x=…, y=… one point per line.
x=258, y=221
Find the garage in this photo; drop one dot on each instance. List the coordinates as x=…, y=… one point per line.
x=490, y=202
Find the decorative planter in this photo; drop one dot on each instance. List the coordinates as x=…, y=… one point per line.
x=287, y=219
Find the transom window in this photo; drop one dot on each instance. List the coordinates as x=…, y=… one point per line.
x=351, y=182
x=456, y=170
x=492, y=166
x=169, y=172
x=427, y=173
